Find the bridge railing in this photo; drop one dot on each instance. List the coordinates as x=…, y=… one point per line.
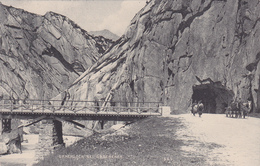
x=81, y=107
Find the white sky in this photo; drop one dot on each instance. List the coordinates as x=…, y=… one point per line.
x=91, y=15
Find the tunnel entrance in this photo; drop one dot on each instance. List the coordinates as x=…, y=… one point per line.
x=214, y=97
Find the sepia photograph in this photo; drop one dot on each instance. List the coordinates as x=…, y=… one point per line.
x=129, y=82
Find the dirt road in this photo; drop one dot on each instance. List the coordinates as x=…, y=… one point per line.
x=225, y=141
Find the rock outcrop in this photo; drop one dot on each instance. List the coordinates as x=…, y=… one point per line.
x=10, y=142
x=181, y=51
x=40, y=56
x=105, y=33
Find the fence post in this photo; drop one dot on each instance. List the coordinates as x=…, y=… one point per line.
x=20, y=105
x=31, y=104
x=149, y=108
x=140, y=107
x=12, y=105
x=42, y=105
x=119, y=107
x=128, y=107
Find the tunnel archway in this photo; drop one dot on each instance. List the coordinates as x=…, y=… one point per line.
x=214, y=97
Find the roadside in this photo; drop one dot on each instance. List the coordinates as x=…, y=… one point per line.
x=237, y=140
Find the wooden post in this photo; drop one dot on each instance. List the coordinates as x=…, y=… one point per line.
x=149, y=108
x=31, y=104
x=20, y=105
x=42, y=105
x=119, y=106
x=11, y=105
x=129, y=107
x=138, y=107
x=102, y=124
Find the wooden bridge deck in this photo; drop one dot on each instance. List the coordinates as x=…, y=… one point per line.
x=79, y=109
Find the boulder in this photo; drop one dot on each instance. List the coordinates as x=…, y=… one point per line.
x=3, y=148
x=11, y=142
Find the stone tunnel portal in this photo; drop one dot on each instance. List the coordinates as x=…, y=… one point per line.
x=214, y=97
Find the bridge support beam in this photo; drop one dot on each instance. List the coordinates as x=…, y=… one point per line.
x=50, y=137
x=5, y=125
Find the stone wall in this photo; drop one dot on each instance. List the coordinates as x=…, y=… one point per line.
x=50, y=138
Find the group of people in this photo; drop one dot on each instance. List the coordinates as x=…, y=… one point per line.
x=238, y=109
x=197, y=108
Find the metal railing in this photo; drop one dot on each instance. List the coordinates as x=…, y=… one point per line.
x=116, y=108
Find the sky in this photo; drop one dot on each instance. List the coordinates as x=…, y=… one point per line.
x=91, y=15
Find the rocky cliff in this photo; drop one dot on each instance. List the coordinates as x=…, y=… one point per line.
x=41, y=55
x=105, y=33
x=178, y=52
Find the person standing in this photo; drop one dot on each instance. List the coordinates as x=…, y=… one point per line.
x=201, y=108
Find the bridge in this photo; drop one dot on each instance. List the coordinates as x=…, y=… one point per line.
x=79, y=110
x=53, y=112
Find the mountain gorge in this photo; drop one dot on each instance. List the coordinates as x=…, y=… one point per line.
x=40, y=56
x=105, y=33
x=178, y=52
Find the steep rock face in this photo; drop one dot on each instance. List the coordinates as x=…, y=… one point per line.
x=102, y=43
x=41, y=55
x=181, y=51
x=105, y=33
